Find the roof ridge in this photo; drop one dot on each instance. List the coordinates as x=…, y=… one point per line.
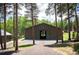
x=43, y=23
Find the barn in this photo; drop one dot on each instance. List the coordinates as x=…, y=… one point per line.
x=44, y=31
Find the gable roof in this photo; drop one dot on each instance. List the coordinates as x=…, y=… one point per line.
x=43, y=24
x=7, y=33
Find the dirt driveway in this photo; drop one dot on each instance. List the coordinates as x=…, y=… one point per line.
x=38, y=49
x=42, y=47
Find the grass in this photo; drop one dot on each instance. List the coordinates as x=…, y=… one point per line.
x=65, y=36
x=65, y=48
x=59, y=45
x=29, y=45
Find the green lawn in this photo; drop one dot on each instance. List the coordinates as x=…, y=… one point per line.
x=65, y=36
x=29, y=45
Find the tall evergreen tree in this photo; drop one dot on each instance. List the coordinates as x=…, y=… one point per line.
x=1, y=13
x=55, y=6
x=15, y=26
x=4, y=6
x=32, y=11
x=52, y=7
x=68, y=22
x=76, y=17
x=61, y=19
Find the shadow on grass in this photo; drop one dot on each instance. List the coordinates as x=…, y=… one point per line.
x=76, y=48
x=7, y=53
x=29, y=45
x=58, y=45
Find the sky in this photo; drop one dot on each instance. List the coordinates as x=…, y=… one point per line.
x=42, y=15
x=42, y=7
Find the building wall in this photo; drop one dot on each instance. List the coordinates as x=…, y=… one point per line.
x=52, y=32
x=8, y=38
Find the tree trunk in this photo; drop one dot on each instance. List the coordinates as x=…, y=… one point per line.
x=35, y=21
x=1, y=42
x=73, y=33
x=4, y=25
x=33, y=33
x=61, y=20
x=68, y=22
x=55, y=15
x=76, y=17
x=56, y=19
x=16, y=27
